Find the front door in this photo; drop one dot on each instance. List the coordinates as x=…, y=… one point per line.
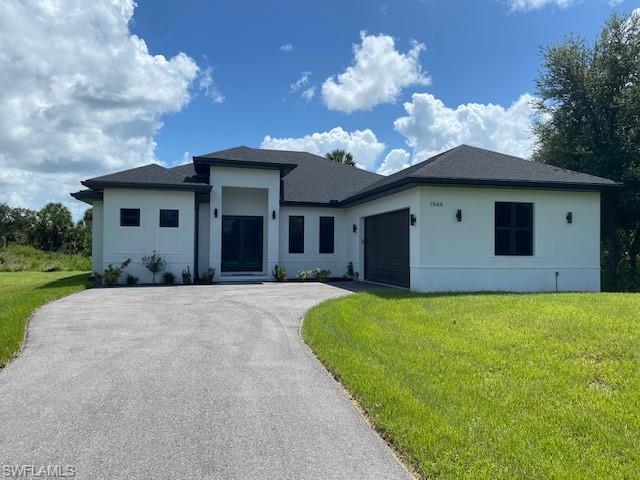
x=241, y=243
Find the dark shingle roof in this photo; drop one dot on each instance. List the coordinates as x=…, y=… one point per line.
x=307, y=178
x=311, y=179
x=148, y=176
x=473, y=166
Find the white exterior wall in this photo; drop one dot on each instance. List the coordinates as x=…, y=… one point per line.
x=459, y=256
x=97, y=229
x=176, y=245
x=269, y=180
x=311, y=258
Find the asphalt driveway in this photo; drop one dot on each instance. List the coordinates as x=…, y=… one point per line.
x=184, y=382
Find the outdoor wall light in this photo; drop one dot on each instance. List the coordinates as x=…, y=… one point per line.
x=459, y=215
x=412, y=218
x=570, y=217
x=273, y=214
x=355, y=228
x=215, y=213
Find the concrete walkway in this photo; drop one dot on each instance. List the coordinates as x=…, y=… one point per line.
x=184, y=382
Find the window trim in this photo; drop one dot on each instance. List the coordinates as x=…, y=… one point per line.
x=513, y=229
x=177, y=225
x=130, y=210
x=291, y=218
x=333, y=235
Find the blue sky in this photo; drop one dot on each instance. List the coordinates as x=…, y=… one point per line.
x=476, y=51
x=96, y=87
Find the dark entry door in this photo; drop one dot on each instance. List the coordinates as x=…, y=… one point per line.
x=241, y=243
x=386, y=248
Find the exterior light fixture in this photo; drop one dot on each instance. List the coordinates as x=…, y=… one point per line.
x=215, y=213
x=412, y=218
x=355, y=228
x=459, y=215
x=273, y=214
x=570, y=217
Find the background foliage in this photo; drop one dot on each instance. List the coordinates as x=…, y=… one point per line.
x=44, y=240
x=589, y=105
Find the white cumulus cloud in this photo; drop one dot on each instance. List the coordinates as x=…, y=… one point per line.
x=363, y=144
x=378, y=75
x=81, y=95
x=286, y=47
x=396, y=159
x=431, y=127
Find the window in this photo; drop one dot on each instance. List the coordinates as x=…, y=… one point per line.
x=514, y=228
x=169, y=218
x=326, y=234
x=129, y=217
x=296, y=234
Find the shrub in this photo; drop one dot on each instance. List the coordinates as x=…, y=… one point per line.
x=207, y=277
x=279, y=273
x=168, y=278
x=186, y=276
x=155, y=264
x=132, y=279
x=304, y=275
x=320, y=274
x=112, y=273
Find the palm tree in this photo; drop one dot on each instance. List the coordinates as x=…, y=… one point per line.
x=340, y=156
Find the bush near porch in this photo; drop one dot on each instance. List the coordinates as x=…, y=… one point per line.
x=492, y=385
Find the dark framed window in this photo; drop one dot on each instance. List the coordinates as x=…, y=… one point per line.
x=326, y=234
x=169, y=218
x=514, y=229
x=296, y=234
x=129, y=217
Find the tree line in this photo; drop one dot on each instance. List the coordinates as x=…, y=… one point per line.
x=51, y=228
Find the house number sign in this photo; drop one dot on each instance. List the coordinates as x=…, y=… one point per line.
x=437, y=203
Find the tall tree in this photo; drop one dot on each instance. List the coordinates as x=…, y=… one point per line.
x=53, y=227
x=16, y=224
x=589, y=105
x=341, y=156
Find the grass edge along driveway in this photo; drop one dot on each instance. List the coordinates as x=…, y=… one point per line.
x=21, y=293
x=492, y=385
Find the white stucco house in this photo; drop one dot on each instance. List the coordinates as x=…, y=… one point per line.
x=465, y=220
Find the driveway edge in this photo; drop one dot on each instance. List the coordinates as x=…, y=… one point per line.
x=409, y=469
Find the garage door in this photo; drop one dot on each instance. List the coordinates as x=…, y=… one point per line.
x=386, y=248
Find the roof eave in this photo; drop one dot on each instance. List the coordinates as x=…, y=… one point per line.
x=409, y=182
x=148, y=186
x=225, y=162
x=87, y=196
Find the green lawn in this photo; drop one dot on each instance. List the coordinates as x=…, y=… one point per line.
x=496, y=385
x=21, y=293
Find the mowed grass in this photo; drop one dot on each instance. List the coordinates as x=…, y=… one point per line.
x=496, y=385
x=21, y=293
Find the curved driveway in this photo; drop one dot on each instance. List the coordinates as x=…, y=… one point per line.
x=184, y=382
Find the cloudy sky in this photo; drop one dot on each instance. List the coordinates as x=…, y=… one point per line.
x=94, y=87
